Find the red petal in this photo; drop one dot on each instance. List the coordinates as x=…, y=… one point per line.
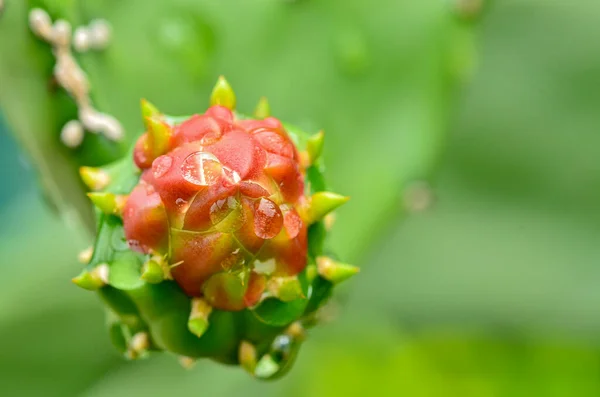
x=145, y=220
x=202, y=255
x=274, y=142
x=204, y=129
x=221, y=113
x=235, y=150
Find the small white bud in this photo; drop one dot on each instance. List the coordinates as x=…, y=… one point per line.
x=61, y=33
x=81, y=39
x=100, y=33
x=72, y=134
x=40, y=23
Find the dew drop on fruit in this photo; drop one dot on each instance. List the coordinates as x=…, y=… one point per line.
x=292, y=223
x=161, y=166
x=267, y=219
x=231, y=176
x=201, y=169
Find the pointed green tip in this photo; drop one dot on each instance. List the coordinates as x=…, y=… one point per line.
x=263, y=109
x=94, y=279
x=148, y=110
x=94, y=178
x=152, y=272
x=159, y=134
x=198, y=326
x=322, y=203
x=223, y=94
x=266, y=367
x=286, y=289
x=334, y=271
x=108, y=203
x=314, y=146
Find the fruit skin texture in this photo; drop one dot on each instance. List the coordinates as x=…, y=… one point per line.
x=210, y=238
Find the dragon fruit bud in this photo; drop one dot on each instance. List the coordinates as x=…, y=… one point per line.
x=210, y=237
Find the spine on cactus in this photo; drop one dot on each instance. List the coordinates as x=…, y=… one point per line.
x=210, y=237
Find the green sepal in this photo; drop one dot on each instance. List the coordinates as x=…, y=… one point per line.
x=152, y=272
x=223, y=94
x=263, y=109
x=322, y=203
x=125, y=271
x=314, y=146
x=275, y=312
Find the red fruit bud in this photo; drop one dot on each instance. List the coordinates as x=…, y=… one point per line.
x=223, y=199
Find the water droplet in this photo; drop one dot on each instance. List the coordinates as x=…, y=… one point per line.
x=267, y=219
x=231, y=176
x=227, y=215
x=281, y=347
x=201, y=168
x=161, y=165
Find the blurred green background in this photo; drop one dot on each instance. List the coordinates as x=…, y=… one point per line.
x=470, y=146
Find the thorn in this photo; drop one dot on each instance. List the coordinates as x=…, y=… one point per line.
x=223, y=94
x=322, y=203
x=109, y=203
x=187, y=362
x=152, y=272
x=314, y=146
x=85, y=256
x=94, y=279
x=139, y=345
x=174, y=265
x=263, y=109
x=334, y=271
x=247, y=356
x=286, y=289
x=148, y=110
x=159, y=135
x=198, y=320
x=94, y=178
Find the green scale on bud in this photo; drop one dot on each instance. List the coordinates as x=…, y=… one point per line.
x=210, y=238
